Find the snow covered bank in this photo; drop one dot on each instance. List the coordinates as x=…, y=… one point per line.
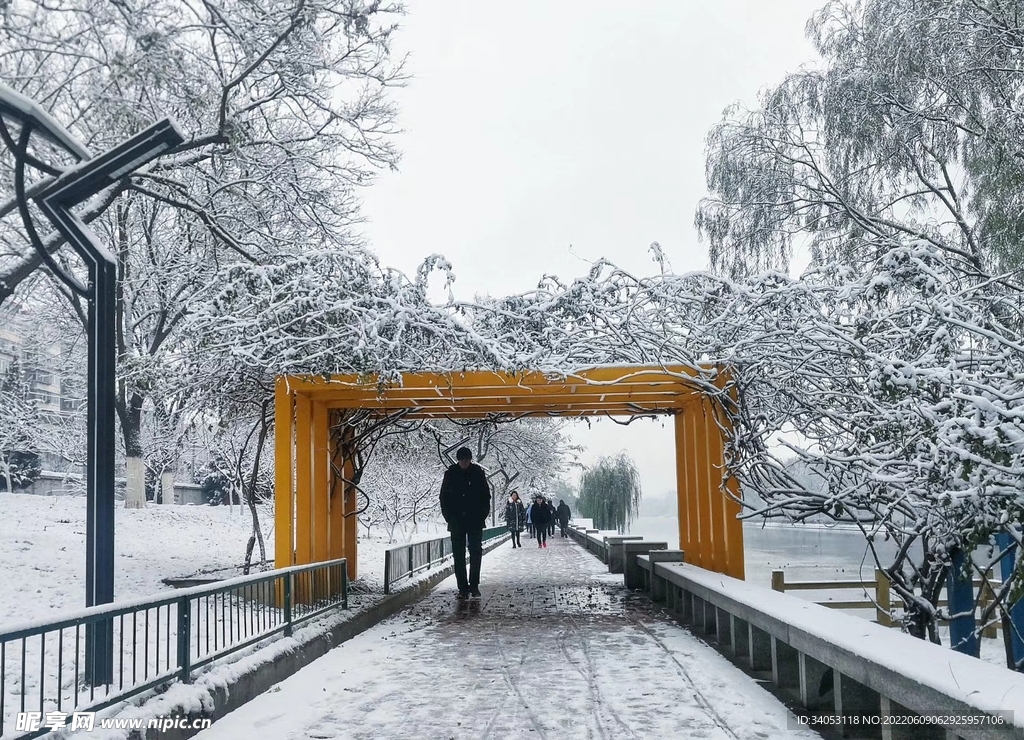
x=42, y=549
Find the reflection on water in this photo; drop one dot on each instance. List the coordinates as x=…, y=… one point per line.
x=803, y=552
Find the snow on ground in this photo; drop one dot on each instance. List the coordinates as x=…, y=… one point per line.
x=555, y=648
x=42, y=548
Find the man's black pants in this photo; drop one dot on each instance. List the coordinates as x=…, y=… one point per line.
x=473, y=539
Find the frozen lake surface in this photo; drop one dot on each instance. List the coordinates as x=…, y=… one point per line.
x=804, y=552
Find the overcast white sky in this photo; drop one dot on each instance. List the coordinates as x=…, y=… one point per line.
x=540, y=136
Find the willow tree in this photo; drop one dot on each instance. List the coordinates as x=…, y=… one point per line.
x=610, y=492
x=908, y=127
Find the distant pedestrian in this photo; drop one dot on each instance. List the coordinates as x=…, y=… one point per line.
x=465, y=503
x=529, y=519
x=515, y=517
x=564, y=515
x=553, y=518
x=541, y=520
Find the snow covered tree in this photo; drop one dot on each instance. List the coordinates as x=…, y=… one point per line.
x=401, y=484
x=909, y=128
x=898, y=159
x=284, y=103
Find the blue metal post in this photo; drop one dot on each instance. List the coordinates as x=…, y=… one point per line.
x=960, y=589
x=1006, y=567
x=288, y=604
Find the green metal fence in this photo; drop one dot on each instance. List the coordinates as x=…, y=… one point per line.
x=405, y=561
x=160, y=640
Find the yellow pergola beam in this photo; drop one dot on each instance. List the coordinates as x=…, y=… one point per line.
x=589, y=380
x=565, y=409
x=315, y=515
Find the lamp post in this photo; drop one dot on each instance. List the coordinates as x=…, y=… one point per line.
x=55, y=199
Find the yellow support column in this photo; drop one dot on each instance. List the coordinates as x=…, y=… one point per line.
x=303, y=481
x=337, y=498
x=730, y=484
x=698, y=528
x=698, y=481
x=730, y=503
x=716, y=496
x=681, y=513
x=284, y=504
x=320, y=483
x=351, y=505
x=687, y=500
x=336, y=502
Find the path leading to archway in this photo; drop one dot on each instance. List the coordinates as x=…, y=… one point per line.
x=555, y=648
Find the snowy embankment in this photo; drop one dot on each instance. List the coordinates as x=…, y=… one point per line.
x=42, y=549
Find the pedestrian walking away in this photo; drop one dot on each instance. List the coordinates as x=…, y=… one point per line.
x=515, y=517
x=553, y=518
x=465, y=504
x=529, y=519
x=564, y=515
x=541, y=520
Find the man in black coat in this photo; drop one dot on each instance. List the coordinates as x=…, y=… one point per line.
x=564, y=514
x=465, y=503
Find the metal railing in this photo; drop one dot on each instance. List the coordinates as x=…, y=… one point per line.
x=405, y=561
x=160, y=640
x=877, y=595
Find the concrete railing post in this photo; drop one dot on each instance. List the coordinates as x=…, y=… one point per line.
x=658, y=584
x=613, y=549
x=632, y=573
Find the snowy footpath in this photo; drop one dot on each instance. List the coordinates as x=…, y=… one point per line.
x=555, y=648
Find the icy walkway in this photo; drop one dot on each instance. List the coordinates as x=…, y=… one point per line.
x=556, y=648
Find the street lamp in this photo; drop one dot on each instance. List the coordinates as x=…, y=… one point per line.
x=55, y=200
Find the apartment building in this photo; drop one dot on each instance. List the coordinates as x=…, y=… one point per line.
x=38, y=354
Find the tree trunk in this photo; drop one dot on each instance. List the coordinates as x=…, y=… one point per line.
x=167, y=487
x=257, y=533
x=8, y=478
x=135, y=483
x=131, y=429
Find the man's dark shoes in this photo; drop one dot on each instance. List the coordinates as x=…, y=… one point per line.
x=475, y=593
x=463, y=595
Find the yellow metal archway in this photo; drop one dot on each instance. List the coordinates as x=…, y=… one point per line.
x=314, y=506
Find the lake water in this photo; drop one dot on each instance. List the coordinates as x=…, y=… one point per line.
x=804, y=552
